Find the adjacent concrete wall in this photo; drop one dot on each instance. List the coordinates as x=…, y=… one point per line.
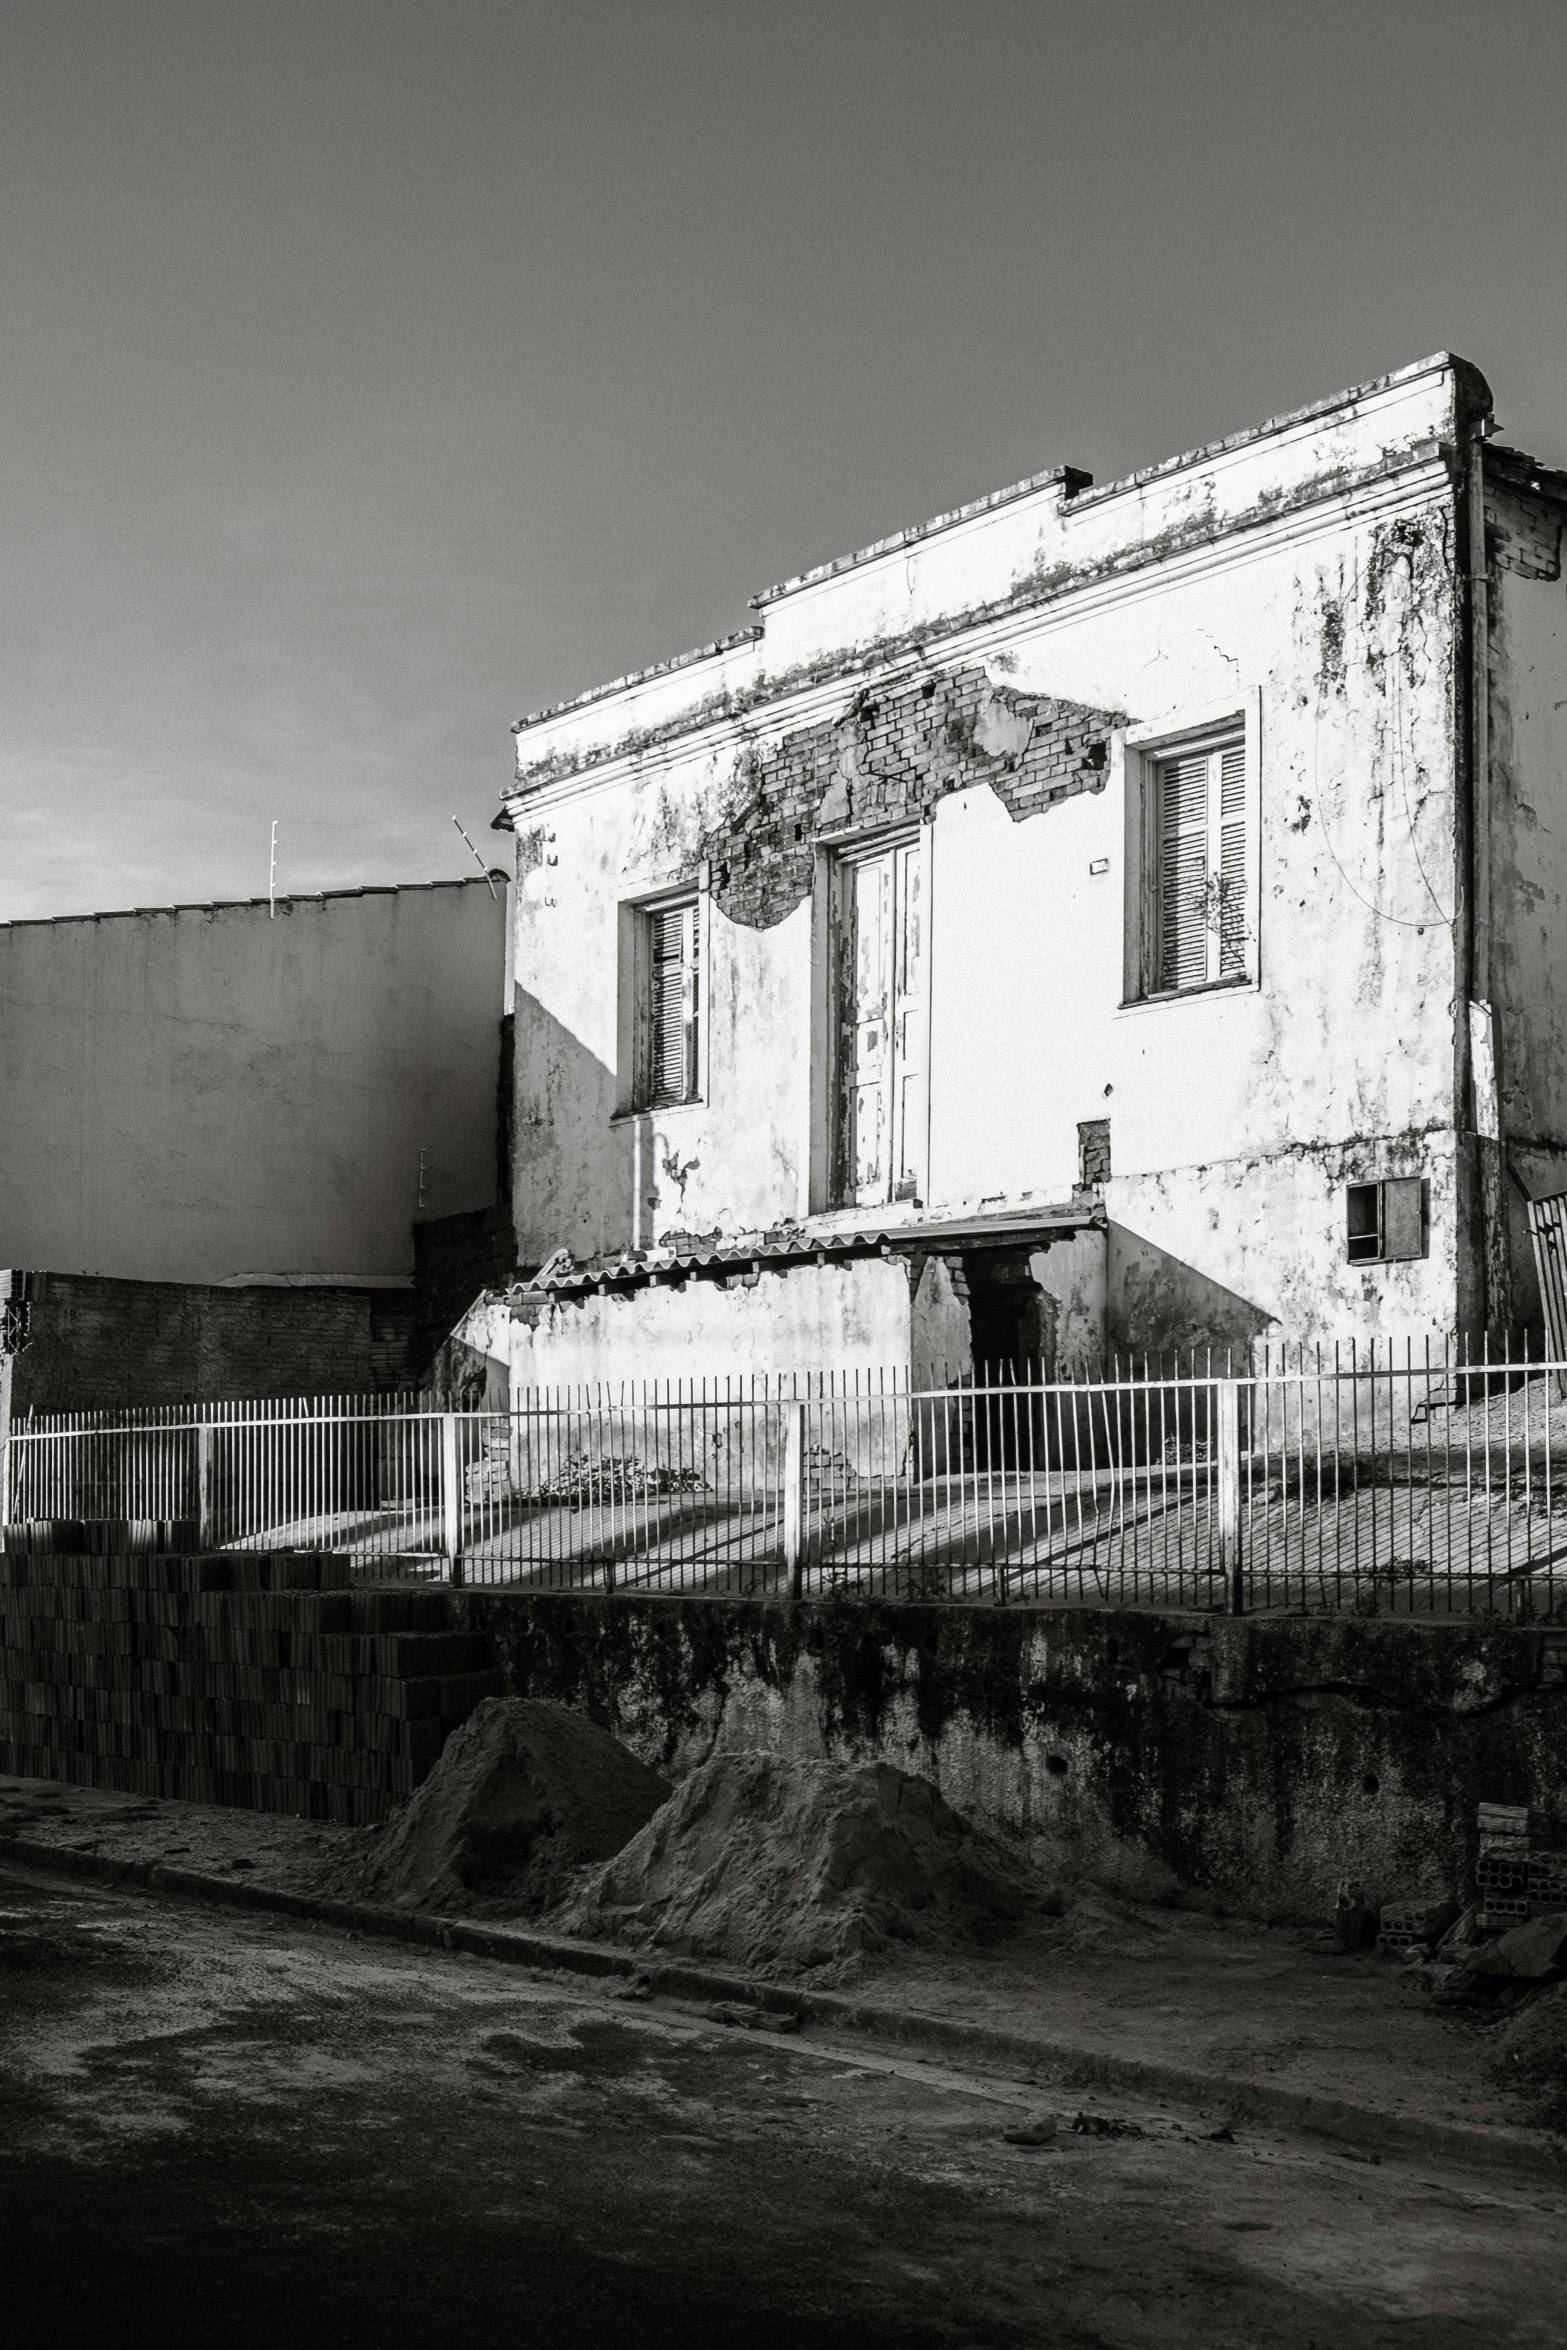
x=195, y=1092
x=1259, y=1762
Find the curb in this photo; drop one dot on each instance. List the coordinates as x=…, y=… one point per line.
x=1364, y=2127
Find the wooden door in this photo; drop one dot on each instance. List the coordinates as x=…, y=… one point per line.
x=881, y=944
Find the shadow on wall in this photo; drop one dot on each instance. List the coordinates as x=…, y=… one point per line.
x=1160, y=1306
x=572, y=1171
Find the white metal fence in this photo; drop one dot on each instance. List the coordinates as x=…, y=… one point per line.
x=1379, y=1480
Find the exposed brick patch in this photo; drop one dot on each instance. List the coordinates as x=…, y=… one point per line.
x=896, y=751
x=1523, y=534
x=1093, y=1153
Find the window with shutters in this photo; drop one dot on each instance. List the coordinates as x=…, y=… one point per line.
x=1197, y=880
x=668, y=1058
x=1191, y=865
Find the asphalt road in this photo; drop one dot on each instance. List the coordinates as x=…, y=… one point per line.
x=232, y=2129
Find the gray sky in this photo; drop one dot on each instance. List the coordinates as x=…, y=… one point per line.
x=372, y=372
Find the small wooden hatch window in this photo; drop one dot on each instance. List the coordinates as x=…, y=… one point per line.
x=1386, y=1221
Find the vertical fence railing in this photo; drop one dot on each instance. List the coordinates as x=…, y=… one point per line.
x=1378, y=1479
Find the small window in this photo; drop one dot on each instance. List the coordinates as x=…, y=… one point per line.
x=669, y=1062
x=1197, y=869
x=1387, y=1220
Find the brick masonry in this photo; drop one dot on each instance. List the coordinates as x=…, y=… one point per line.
x=1523, y=533
x=93, y=1344
x=898, y=749
x=257, y=1681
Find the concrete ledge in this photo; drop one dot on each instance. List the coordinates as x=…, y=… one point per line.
x=1363, y=2128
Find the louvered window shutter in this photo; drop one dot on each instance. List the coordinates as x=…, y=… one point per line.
x=1183, y=872
x=1232, y=860
x=674, y=1008
x=1200, y=875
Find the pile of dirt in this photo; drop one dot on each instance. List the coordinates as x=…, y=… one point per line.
x=1530, y=2056
x=779, y=1866
x=524, y=1796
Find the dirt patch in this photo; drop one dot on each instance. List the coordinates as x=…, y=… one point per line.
x=782, y=1866
x=525, y=1795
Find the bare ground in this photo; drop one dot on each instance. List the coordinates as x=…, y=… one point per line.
x=241, y=2129
x=1166, y=1986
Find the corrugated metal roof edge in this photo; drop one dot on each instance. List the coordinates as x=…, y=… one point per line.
x=790, y=1244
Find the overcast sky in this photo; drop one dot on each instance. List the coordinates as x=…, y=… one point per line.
x=371, y=373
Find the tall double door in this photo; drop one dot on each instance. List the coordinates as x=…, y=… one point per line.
x=881, y=1081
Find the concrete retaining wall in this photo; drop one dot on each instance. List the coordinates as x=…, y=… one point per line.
x=1257, y=1762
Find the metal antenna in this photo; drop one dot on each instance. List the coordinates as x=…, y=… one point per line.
x=478, y=860
x=272, y=877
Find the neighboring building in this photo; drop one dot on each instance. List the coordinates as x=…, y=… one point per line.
x=1123, y=916
x=246, y=1152
x=216, y=1094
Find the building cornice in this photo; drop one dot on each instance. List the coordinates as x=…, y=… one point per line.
x=782, y=704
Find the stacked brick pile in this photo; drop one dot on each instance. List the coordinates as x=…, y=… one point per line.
x=263, y=1681
x=1523, y=1867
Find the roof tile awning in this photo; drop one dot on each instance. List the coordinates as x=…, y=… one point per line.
x=786, y=1244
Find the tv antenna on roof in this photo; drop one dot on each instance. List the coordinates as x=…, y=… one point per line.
x=478, y=860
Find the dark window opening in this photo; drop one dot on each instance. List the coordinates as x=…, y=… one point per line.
x=1012, y=1334
x=1387, y=1222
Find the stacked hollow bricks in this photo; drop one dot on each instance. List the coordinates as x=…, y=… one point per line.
x=899, y=749
x=1522, y=1870
x=258, y=1681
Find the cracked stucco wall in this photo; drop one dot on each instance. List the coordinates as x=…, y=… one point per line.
x=1306, y=587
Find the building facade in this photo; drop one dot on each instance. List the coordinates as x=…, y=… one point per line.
x=1103, y=918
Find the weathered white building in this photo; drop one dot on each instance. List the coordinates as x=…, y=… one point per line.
x=1103, y=916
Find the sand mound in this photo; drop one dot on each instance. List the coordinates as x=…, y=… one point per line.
x=524, y=1795
x=1529, y=2056
x=777, y=1865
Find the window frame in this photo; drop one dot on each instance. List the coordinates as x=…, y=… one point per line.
x=1144, y=751
x=634, y=1056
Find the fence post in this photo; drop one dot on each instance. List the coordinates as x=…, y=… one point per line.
x=1227, y=1413
x=794, y=1497
x=204, y=1494
x=451, y=1497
